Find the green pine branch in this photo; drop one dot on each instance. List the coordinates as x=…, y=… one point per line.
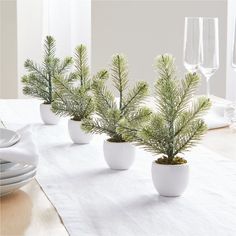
x=119, y=74
x=109, y=113
x=81, y=63
x=72, y=95
x=105, y=100
x=39, y=80
x=176, y=126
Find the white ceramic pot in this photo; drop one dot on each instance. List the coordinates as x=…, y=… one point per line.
x=119, y=156
x=48, y=117
x=170, y=180
x=77, y=134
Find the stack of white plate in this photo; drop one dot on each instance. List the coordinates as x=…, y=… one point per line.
x=12, y=175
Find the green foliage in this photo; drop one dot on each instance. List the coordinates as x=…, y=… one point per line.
x=108, y=112
x=176, y=125
x=72, y=95
x=39, y=80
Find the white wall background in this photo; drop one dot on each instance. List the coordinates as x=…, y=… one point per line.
x=230, y=73
x=69, y=21
x=144, y=29
x=139, y=28
x=8, y=49
x=29, y=35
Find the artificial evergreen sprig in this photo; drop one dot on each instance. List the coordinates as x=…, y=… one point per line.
x=108, y=112
x=176, y=125
x=39, y=80
x=72, y=95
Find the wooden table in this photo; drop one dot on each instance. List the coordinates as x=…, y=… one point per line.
x=222, y=141
x=29, y=212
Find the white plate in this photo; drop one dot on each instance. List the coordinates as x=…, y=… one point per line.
x=3, y=161
x=6, y=166
x=16, y=170
x=8, y=137
x=18, y=178
x=7, y=189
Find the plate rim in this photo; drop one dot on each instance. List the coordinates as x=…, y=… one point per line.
x=18, y=183
x=16, y=138
x=14, y=187
x=27, y=174
x=23, y=168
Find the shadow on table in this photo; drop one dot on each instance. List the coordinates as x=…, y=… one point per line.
x=15, y=215
x=103, y=171
x=151, y=201
x=91, y=174
x=68, y=145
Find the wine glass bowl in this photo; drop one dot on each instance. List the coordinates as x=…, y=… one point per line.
x=209, y=49
x=191, y=54
x=234, y=48
x=233, y=116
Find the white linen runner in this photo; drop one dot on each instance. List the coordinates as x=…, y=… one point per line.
x=96, y=201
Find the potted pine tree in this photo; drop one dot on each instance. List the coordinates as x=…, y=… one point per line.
x=119, y=154
x=173, y=129
x=39, y=80
x=73, y=98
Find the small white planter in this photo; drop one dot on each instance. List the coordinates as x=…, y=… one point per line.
x=48, y=117
x=119, y=156
x=170, y=180
x=77, y=134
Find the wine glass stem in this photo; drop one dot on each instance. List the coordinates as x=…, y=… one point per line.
x=208, y=86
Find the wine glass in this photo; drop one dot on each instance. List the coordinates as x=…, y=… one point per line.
x=234, y=49
x=209, y=60
x=192, y=43
x=233, y=107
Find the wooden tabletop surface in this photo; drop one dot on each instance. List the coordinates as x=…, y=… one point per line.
x=29, y=212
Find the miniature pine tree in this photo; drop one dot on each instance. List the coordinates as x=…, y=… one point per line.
x=176, y=125
x=39, y=80
x=108, y=112
x=72, y=95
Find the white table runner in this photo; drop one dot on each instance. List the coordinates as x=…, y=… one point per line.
x=94, y=200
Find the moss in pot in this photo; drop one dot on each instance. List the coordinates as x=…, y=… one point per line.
x=39, y=80
x=173, y=128
x=73, y=96
x=119, y=154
